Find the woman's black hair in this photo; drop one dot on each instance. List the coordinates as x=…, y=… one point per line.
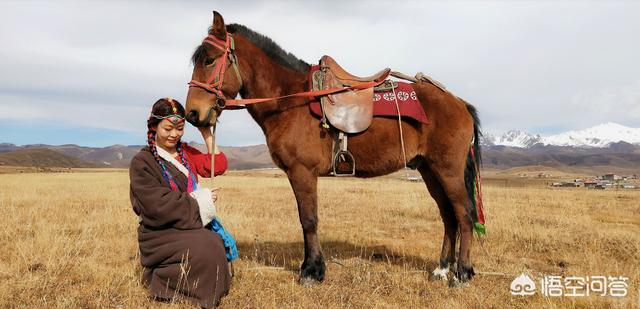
x=162, y=108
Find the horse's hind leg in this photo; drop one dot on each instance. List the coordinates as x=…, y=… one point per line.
x=448, y=253
x=304, y=185
x=452, y=180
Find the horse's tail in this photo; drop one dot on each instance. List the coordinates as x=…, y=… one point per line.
x=472, y=179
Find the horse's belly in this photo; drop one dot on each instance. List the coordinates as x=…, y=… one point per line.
x=372, y=170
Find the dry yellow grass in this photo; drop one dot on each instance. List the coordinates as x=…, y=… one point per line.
x=69, y=240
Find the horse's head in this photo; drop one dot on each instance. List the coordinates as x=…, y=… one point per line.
x=215, y=78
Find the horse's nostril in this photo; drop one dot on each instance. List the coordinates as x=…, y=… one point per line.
x=192, y=116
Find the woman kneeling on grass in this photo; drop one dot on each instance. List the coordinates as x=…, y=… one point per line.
x=182, y=258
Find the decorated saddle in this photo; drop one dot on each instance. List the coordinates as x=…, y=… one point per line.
x=383, y=103
x=351, y=111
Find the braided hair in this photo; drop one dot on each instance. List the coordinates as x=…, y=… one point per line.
x=162, y=108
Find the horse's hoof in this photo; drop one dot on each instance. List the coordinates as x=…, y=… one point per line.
x=307, y=282
x=312, y=271
x=464, y=273
x=439, y=274
x=455, y=283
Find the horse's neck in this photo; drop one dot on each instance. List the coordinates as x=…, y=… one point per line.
x=268, y=79
x=274, y=80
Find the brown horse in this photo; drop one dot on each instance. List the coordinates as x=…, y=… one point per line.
x=253, y=66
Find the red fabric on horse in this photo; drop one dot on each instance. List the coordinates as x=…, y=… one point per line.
x=384, y=104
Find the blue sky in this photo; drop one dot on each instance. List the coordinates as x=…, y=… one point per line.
x=87, y=72
x=24, y=132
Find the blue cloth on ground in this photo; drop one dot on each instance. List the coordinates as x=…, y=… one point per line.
x=230, y=247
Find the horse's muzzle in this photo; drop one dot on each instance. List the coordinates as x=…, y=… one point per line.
x=194, y=119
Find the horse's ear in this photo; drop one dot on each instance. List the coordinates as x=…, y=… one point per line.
x=218, y=28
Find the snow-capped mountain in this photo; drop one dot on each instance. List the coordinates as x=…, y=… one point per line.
x=599, y=136
x=513, y=138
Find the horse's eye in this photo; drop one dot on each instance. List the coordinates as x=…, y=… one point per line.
x=208, y=61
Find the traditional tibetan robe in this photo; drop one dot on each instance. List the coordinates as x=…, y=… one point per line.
x=181, y=259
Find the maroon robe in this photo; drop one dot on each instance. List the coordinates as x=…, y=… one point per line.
x=181, y=259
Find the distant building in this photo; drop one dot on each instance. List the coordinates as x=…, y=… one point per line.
x=597, y=184
x=590, y=184
x=412, y=178
x=611, y=177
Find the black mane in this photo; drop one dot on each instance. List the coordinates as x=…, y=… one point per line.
x=268, y=46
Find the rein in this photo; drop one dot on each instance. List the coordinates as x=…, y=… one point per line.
x=214, y=82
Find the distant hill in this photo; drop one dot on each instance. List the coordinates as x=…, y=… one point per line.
x=113, y=156
x=41, y=157
x=240, y=158
x=5, y=147
x=620, y=157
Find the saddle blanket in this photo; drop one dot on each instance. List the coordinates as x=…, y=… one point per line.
x=384, y=104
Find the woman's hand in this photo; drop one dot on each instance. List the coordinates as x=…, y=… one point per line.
x=215, y=192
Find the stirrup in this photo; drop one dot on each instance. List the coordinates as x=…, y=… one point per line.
x=344, y=164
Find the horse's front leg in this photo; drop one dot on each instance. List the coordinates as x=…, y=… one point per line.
x=305, y=184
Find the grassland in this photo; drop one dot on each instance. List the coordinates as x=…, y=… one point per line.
x=69, y=240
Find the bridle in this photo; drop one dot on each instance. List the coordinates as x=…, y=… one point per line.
x=214, y=82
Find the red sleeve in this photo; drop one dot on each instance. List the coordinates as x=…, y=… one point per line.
x=202, y=162
x=221, y=163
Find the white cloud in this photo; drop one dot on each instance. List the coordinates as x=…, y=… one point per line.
x=620, y=102
x=523, y=64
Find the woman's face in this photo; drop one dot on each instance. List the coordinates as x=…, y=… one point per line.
x=168, y=133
